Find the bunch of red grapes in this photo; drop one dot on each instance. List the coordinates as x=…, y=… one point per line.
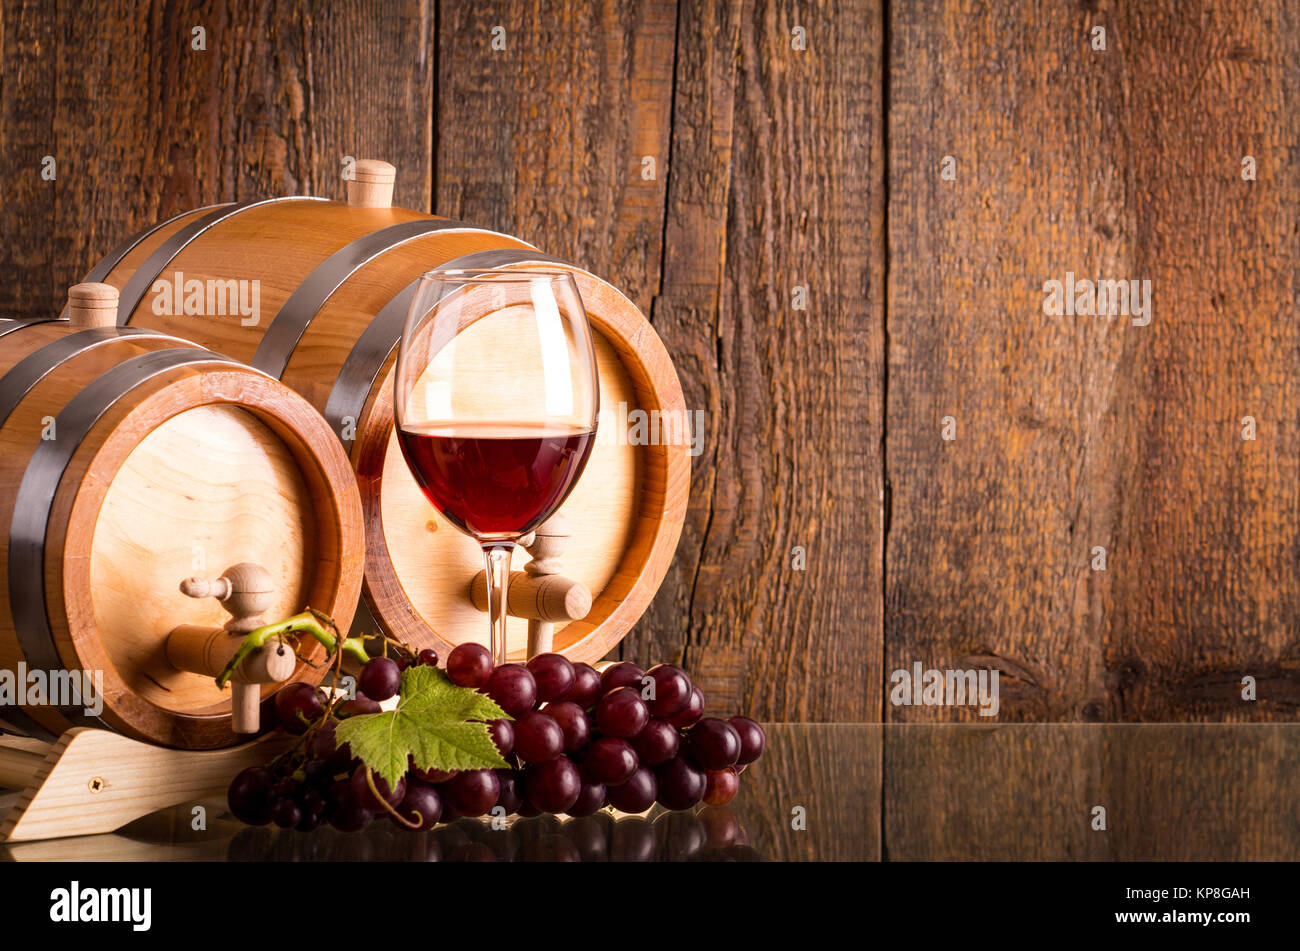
x=580, y=740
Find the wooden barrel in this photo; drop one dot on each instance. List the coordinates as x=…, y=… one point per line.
x=129, y=461
x=331, y=283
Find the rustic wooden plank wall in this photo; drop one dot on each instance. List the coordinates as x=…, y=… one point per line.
x=1078, y=433
x=829, y=297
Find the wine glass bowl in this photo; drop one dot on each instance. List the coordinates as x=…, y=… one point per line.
x=496, y=397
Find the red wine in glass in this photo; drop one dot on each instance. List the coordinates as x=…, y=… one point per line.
x=496, y=479
x=496, y=398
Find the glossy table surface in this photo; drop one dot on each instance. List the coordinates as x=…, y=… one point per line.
x=853, y=792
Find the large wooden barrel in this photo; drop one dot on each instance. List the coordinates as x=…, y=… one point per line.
x=332, y=283
x=129, y=461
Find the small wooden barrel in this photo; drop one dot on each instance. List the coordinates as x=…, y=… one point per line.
x=315, y=293
x=129, y=461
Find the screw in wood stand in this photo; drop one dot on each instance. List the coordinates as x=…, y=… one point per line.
x=539, y=592
x=246, y=591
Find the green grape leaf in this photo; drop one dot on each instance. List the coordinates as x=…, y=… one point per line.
x=435, y=722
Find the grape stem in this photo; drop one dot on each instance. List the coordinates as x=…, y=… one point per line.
x=370, y=781
x=308, y=622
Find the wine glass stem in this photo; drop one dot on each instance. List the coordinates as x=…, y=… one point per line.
x=498, y=583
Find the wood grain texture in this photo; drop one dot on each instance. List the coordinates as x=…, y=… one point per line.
x=546, y=138
x=1084, y=431
x=779, y=184
x=143, y=126
x=1026, y=792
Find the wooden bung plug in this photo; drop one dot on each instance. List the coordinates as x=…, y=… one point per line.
x=245, y=590
x=371, y=185
x=92, y=305
x=539, y=592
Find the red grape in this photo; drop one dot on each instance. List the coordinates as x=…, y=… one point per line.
x=553, y=786
x=434, y=776
x=590, y=798
x=672, y=691
x=752, y=739
x=657, y=743
x=469, y=665
x=421, y=804
x=427, y=657
x=358, y=705
x=538, y=737
x=713, y=744
x=681, y=785
x=573, y=722
x=720, y=786
x=380, y=678
x=586, y=686
x=473, y=792
x=513, y=688
x=324, y=746
x=297, y=706
x=345, y=813
x=609, y=760
x=510, y=797
x=622, y=713
x=503, y=735
x=637, y=794
x=694, y=710
x=249, y=796
x=366, y=798
x=554, y=676
x=625, y=674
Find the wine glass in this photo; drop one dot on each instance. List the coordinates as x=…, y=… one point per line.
x=496, y=399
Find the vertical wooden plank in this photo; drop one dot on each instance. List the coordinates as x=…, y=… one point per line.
x=1206, y=567
x=26, y=137
x=145, y=125
x=990, y=533
x=547, y=136
x=793, y=395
